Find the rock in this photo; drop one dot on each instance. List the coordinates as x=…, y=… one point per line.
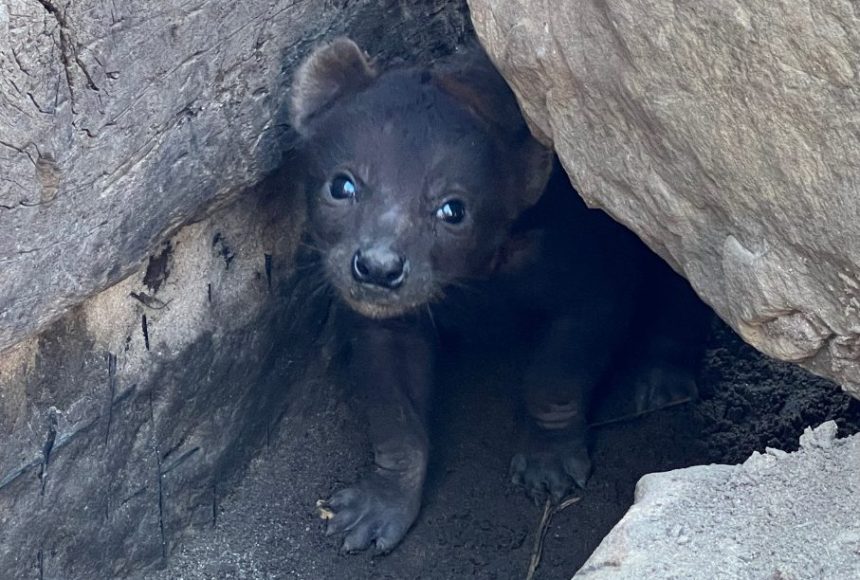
x=776, y=516
x=119, y=122
x=154, y=321
x=124, y=420
x=725, y=135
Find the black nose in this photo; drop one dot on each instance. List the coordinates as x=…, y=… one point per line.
x=380, y=267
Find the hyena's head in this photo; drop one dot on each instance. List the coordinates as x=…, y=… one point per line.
x=416, y=174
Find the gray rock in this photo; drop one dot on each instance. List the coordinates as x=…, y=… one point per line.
x=725, y=134
x=779, y=515
x=126, y=419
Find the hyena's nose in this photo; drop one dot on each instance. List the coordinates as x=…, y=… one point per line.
x=379, y=266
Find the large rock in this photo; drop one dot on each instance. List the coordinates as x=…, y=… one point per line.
x=776, y=516
x=124, y=421
x=725, y=133
x=120, y=121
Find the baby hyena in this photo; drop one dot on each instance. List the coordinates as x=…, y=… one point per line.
x=424, y=179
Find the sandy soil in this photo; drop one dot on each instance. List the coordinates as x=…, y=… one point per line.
x=474, y=524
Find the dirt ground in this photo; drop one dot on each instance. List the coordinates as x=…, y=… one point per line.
x=474, y=523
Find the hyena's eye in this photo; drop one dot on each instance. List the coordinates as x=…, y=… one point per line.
x=342, y=186
x=452, y=211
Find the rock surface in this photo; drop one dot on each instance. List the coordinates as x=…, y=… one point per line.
x=120, y=121
x=725, y=134
x=126, y=419
x=777, y=515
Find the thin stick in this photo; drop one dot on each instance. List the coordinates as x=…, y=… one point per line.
x=540, y=534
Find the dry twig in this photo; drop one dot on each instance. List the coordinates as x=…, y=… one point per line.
x=543, y=526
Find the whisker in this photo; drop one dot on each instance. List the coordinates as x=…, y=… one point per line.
x=467, y=286
x=303, y=267
x=310, y=246
x=432, y=319
x=321, y=289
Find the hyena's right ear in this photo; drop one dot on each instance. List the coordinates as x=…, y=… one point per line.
x=330, y=72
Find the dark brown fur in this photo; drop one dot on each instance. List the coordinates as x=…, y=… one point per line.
x=424, y=180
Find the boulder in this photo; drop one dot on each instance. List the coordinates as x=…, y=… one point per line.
x=125, y=420
x=725, y=134
x=778, y=515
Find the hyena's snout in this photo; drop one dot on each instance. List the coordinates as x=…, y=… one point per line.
x=379, y=265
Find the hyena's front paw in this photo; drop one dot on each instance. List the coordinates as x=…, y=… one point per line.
x=551, y=468
x=378, y=510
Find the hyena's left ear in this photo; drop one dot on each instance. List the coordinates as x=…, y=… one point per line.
x=538, y=161
x=329, y=73
x=475, y=83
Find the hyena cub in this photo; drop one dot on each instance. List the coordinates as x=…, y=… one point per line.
x=427, y=178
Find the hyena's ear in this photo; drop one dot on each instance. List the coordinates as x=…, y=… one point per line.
x=474, y=81
x=330, y=72
x=538, y=162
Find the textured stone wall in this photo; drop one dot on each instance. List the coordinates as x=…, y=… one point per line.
x=125, y=419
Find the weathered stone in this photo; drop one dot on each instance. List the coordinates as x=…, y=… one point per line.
x=121, y=121
x=725, y=134
x=779, y=515
x=123, y=419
